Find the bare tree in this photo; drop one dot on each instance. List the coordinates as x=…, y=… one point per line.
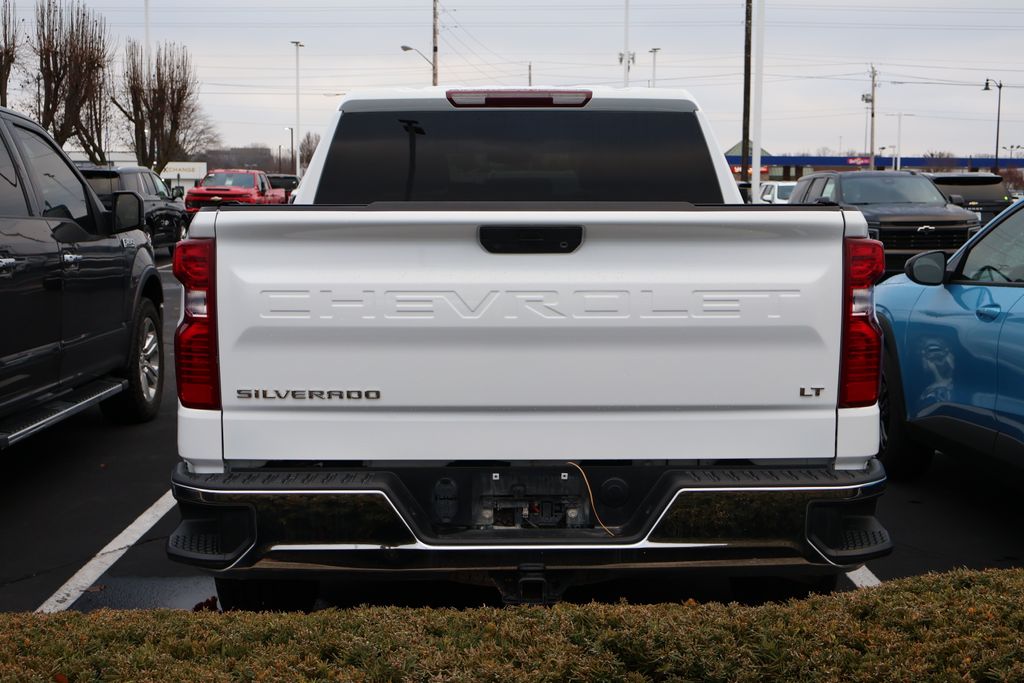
x=9, y=34
x=199, y=134
x=1013, y=177
x=71, y=46
x=307, y=146
x=93, y=126
x=161, y=103
x=254, y=155
x=939, y=160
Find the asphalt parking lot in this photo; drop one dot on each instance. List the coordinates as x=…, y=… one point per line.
x=70, y=491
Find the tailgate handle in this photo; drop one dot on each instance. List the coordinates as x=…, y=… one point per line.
x=512, y=239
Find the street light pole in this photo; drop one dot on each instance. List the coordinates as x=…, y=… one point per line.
x=654, y=66
x=406, y=48
x=898, y=159
x=999, y=109
x=756, y=99
x=298, y=118
x=899, y=140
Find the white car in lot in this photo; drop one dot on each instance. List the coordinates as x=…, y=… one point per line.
x=777, y=191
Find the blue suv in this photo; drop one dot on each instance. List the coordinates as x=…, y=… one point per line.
x=953, y=367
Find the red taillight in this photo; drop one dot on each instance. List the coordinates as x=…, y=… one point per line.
x=519, y=98
x=860, y=368
x=195, y=342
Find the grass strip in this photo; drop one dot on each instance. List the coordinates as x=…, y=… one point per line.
x=960, y=625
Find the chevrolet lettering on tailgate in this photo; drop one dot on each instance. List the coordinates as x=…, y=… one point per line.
x=642, y=304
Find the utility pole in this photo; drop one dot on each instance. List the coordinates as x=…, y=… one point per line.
x=654, y=66
x=437, y=32
x=529, y=72
x=298, y=119
x=745, y=141
x=870, y=99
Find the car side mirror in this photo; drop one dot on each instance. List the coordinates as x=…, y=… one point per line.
x=129, y=211
x=957, y=199
x=825, y=201
x=177, y=192
x=928, y=268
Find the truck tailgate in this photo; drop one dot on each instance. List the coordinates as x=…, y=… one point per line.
x=365, y=335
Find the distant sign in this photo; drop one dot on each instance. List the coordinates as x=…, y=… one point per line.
x=185, y=169
x=739, y=169
x=858, y=161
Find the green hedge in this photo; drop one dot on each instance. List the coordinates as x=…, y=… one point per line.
x=963, y=625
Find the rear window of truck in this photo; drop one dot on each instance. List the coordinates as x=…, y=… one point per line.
x=535, y=155
x=978, y=191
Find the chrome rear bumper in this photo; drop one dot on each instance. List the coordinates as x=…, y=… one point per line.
x=373, y=521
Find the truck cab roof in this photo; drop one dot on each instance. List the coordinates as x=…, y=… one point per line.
x=446, y=97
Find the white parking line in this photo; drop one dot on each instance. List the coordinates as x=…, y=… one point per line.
x=863, y=578
x=165, y=266
x=104, y=559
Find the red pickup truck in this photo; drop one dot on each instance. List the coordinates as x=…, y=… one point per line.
x=223, y=185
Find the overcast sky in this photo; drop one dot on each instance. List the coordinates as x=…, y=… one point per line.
x=933, y=57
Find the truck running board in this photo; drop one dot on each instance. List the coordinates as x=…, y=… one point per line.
x=24, y=425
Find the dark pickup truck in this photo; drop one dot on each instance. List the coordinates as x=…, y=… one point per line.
x=904, y=209
x=985, y=194
x=79, y=290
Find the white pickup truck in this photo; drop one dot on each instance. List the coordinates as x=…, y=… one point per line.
x=529, y=337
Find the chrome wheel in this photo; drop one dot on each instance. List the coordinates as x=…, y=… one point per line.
x=149, y=359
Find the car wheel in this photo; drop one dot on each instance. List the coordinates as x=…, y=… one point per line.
x=140, y=402
x=266, y=595
x=904, y=458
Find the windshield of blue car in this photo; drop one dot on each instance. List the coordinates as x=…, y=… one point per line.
x=229, y=180
x=897, y=189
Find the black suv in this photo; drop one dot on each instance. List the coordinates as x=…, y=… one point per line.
x=166, y=218
x=79, y=291
x=903, y=209
x=983, y=193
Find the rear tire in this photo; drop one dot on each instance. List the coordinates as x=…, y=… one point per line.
x=266, y=595
x=904, y=458
x=140, y=401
